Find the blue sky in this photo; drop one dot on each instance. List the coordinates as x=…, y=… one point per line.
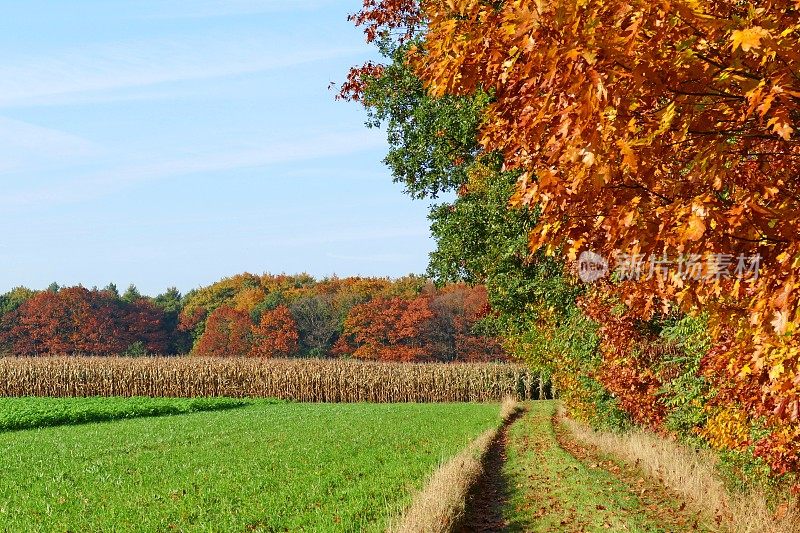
x=174, y=142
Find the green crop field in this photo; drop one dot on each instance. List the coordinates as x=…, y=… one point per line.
x=263, y=467
x=28, y=413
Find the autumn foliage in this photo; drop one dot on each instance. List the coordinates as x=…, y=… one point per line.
x=388, y=330
x=377, y=319
x=227, y=333
x=652, y=129
x=80, y=321
x=268, y=316
x=437, y=325
x=275, y=335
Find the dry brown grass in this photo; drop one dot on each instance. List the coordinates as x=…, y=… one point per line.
x=441, y=504
x=691, y=474
x=311, y=380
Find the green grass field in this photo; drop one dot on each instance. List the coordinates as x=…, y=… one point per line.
x=28, y=413
x=263, y=467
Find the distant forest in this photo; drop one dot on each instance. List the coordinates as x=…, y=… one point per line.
x=407, y=319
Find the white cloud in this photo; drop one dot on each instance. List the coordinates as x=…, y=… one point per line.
x=116, y=179
x=101, y=68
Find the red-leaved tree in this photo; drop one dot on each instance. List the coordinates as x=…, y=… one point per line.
x=387, y=330
x=227, y=334
x=79, y=321
x=275, y=335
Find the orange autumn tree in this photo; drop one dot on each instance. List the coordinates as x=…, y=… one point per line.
x=652, y=129
x=275, y=335
x=387, y=329
x=457, y=309
x=77, y=320
x=227, y=334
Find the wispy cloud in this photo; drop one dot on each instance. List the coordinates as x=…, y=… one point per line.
x=98, y=68
x=17, y=135
x=29, y=146
x=115, y=179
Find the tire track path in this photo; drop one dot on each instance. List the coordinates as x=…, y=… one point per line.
x=538, y=479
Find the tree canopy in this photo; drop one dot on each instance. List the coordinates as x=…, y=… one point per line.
x=634, y=129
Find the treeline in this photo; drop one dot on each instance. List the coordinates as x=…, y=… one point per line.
x=408, y=319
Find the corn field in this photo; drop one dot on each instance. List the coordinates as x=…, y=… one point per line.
x=305, y=380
